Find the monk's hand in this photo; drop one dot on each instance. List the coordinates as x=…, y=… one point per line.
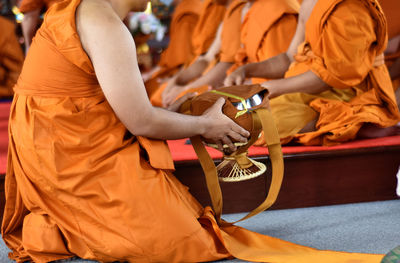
x=170, y=94
x=177, y=104
x=237, y=77
x=221, y=129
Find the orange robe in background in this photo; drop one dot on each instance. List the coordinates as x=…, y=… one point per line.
x=31, y=5
x=267, y=31
x=180, y=50
x=211, y=16
x=230, y=42
x=361, y=91
x=11, y=57
x=78, y=183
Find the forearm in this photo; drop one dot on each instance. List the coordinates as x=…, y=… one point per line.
x=214, y=77
x=192, y=72
x=168, y=125
x=273, y=68
x=307, y=82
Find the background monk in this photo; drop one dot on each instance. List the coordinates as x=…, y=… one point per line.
x=83, y=176
x=266, y=29
x=32, y=10
x=206, y=44
x=220, y=57
x=329, y=93
x=180, y=50
x=11, y=57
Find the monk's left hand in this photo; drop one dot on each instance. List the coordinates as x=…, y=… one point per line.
x=177, y=104
x=170, y=94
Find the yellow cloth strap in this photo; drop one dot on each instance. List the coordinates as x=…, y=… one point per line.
x=275, y=152
x=242, y=100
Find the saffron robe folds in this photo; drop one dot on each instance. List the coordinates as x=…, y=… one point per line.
x=78, y=183
x=11, y=57
x=267, y=30
x=341, y=49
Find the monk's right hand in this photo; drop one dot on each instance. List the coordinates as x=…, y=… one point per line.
x=237, y=77
x=221, y=129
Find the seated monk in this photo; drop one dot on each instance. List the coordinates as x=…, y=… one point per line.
x=266, y=30
x=11, y=57
x=219, y=58
x=332, y=81
x=205, y=31
x=180, y=50
x=88, y=171
x=32, y=10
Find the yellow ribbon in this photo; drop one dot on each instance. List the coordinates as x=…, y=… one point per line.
x=239, y=113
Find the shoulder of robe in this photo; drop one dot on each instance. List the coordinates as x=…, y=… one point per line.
x=59, y=27
x=347, y=15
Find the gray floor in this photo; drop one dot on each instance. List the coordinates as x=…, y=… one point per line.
x=365, y=227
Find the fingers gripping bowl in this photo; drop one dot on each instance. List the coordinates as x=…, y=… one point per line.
x=241, y=104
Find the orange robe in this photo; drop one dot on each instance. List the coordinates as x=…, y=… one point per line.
x=31, y=5
x=78, y=183
x=344, y=56
x=230, y=42
x=267, y=31
x=180, y=50
x=11, y=57
x=211, y=16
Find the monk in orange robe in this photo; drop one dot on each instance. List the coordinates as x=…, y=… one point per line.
x=11, y=57
x=266, y=27
x=220, y=56
x=266, y=31
x=205, y=47
x=180, y=50
x=84, y=176
x=32, y=10
x=324, y=93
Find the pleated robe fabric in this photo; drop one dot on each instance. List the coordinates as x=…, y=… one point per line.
x=78, y=183
x=11, y=57
x=180, y=50
x=211, y=16
x=341, y=49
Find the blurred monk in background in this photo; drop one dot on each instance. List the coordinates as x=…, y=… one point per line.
x=332, y=82
x=266, y=28
x=180, y=50
x=205, y=42
x=89, y=173
x=201, y=38
x=32, y=9
x=11, y=57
